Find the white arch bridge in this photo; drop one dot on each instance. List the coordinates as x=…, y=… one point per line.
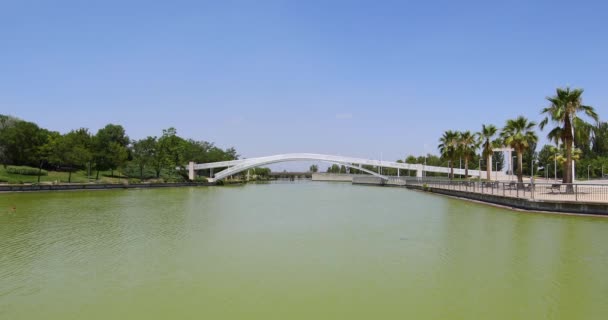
x=235, y=166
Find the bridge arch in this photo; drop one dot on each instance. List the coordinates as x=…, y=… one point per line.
x=235, y=166
x=240, y=168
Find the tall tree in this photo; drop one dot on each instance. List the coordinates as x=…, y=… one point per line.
x=519, y=134
x=448, y=147
x=600, y=139
x=143, y=153
x=563, y=111
x=72, y=150
x=20, y=142
x=467, y=144
x=486, y=135
x=110, y=148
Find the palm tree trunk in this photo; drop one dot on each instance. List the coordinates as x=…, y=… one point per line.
x=489, y=167
x=568, y=142
x=466, y=168
x=568, y=167
x=451, y=170
x=520, y=161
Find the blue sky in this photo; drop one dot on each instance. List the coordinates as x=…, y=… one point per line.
x=359, y=78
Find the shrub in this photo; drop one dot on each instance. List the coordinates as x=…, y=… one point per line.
x=201, y=180
x=26, y=171
x=132, y=171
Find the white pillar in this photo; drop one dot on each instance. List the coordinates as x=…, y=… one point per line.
x=398, y=175
x=191, y=172
x=419, y=171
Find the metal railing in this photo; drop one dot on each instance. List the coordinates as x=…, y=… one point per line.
x=536, y=191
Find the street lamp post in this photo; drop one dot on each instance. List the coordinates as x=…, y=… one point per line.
x=547, y=172
x=479, y=170
x=532, y=168
x=424, y=171
x=555, y=166
x=589, y=166
x=460, y=169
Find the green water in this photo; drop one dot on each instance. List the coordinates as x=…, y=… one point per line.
x=293, y=251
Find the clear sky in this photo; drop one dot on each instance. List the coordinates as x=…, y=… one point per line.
x=358, y=78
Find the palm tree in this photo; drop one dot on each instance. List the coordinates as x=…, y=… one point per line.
x=486, y=139
x=562, y=111
x=518, y=134
x=448, y=147
x=467, y=144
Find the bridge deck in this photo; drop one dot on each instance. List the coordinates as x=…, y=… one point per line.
x=236, y=166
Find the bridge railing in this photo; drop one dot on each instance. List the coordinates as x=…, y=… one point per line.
x=568, y=192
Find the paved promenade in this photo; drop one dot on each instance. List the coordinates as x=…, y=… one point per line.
x=588, y=192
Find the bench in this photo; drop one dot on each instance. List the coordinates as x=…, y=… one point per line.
x=490, y=184
x=512, y=185
x=556, y=188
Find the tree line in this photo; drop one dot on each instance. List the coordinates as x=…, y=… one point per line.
x=574, y=129
x=26, y=144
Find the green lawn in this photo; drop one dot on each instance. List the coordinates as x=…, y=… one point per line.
x=58, y=177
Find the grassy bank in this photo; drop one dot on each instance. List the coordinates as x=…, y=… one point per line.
x=59, y=177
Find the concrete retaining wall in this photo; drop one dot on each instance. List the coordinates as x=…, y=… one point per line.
x=341, y=177
x=368, y=180
x=526, y=204
x=61, y=187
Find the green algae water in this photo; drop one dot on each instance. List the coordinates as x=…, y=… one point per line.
x=300, y=250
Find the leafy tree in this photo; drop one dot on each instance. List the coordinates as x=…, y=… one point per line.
x=110, y=148
x=563, y=111
x=169, y=151
x=71, y=150
x=143, y=152
x=313, y=168
x=600, y=139
x=529, y=155
x=547, y=158
x=333, y=169
x=20, y=142
x=519, y=134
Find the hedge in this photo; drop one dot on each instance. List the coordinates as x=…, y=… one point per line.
x=26, y=171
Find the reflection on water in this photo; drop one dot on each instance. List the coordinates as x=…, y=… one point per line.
x=293, y=250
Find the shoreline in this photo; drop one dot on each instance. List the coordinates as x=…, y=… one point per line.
x=96, y=186
x=515, y=204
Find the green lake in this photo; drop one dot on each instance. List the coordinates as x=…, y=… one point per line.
x=293, y=250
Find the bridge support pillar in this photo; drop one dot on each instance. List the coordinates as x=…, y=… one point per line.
x=211, y=173
x=191, y=172
x=398, y=173
x=419, y=172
